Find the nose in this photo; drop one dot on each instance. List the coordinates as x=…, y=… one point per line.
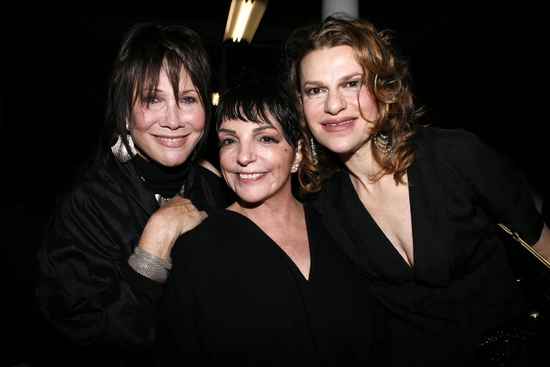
x=245, y=155
x=173, y=117
x=334, y=103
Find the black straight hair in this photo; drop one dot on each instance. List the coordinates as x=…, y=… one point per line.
x=254, y=97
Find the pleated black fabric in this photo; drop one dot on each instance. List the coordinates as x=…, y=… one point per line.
x=102, y=312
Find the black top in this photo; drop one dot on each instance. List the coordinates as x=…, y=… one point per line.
x=461, y=283
x=85, y=287
x=236, y=299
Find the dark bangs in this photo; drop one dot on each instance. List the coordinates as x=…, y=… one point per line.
x=146, y=75
x=255, y=98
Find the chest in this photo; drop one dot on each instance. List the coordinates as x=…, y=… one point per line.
x=389, y=206
x=294, y=242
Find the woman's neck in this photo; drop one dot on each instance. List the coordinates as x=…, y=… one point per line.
x=285, y=224
x=281, y=211
x=166, y=181
x=361, y=164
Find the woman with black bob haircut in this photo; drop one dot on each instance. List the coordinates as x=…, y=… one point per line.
x=260, y=102
x=263, y=283
x=105, y=257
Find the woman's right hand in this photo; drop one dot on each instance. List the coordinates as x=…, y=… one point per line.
x=164, y=227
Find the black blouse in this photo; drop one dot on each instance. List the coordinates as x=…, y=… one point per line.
x=461, y=283
x=236, y=299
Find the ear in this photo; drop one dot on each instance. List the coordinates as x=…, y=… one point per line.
x=299, y=97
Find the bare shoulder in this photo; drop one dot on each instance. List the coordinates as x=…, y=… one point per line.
x=209, y=166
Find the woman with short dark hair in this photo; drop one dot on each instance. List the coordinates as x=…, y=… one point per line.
x=263, y=283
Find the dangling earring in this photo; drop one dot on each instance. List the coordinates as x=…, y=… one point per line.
x=382, y=143
x=119, y=149
x=314, y=152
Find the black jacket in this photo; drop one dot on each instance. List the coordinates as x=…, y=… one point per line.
x=101, y=309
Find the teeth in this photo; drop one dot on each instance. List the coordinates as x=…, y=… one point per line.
x=171, y=139
x=340, y=123
x=249, y=176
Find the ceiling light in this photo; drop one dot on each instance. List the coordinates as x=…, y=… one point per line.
x=215, y=98
x=243, y=20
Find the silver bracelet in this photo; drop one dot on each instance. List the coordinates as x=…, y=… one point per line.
x=149, y=265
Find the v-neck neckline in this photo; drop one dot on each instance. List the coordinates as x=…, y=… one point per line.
x=291, y=264
x=380, y=236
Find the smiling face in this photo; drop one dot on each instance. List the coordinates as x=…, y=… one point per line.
x=256, y=160
x=164, y=129
x=340, y=111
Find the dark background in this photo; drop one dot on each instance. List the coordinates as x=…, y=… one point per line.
x=477, y=65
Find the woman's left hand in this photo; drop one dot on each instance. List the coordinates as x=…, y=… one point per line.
x=170, y=221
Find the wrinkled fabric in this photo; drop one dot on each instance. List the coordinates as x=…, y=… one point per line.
x=100, y=308
x=236, y=299
x=461, y=284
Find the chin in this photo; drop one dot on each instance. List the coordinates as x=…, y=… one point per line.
x=173, y=162
x=340, y=149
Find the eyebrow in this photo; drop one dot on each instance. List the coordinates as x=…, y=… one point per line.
x=155, y=89
x=259, y=128
x=342, y=79
x=221, y=130
x=264, y=127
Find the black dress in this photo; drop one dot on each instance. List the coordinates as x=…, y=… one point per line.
x=235, y=298
x=101, y=310
x=461, y=283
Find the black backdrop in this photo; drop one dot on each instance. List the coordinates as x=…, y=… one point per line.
x=484, y=70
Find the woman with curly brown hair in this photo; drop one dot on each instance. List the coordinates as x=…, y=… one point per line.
x=412, y=206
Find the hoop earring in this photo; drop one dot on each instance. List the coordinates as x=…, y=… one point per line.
x=382, y=143
x=119, y=149
x=314, y=152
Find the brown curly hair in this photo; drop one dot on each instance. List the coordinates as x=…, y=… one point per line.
x=385, y=74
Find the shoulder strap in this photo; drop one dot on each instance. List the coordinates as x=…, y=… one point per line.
x=516, y=237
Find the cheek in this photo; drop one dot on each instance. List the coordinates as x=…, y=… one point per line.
x=310, y=122
x=226, y=160
x=198, y=119
x=226, y=169
x=284, y=157
x=310, y=109
x=141, y=120
x=226, y=177
x=369, y=106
